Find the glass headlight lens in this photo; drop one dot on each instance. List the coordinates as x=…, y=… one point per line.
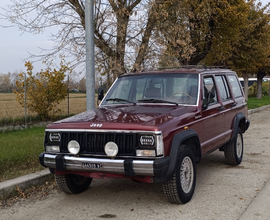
x=147, y=140
x=73, y=147
x=54, y=137
x=111, y=149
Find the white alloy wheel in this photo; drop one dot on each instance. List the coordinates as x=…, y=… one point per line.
x=239, y=145
x=186, y=174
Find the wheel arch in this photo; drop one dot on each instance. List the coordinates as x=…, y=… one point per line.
x=241, y=122
x=188, y=137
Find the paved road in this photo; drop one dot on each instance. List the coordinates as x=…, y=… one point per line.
x=222, y=191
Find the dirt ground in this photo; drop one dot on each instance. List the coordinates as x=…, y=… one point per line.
x=222, y=191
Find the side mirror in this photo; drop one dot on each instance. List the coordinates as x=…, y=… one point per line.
x=100, y=93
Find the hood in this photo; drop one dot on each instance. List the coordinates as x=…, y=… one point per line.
x=124, y=115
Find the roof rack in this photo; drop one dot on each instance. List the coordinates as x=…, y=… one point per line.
x=184, y=67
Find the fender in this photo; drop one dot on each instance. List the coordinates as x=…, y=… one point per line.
x=178, y=139
x=237, y=119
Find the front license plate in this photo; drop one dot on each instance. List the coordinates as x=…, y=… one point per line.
x=92, y=165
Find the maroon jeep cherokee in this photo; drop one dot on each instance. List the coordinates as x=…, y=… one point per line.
x=151, y=127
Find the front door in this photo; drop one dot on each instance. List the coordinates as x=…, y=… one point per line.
x=212, y=116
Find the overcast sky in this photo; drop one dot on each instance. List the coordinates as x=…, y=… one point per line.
x=15, y=46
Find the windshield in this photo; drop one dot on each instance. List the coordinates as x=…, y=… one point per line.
x=154, y=88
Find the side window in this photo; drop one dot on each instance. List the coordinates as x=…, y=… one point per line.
x=223, y=88
x=209, y=90
x=235, y=86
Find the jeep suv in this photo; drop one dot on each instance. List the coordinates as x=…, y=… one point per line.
x=151, y=127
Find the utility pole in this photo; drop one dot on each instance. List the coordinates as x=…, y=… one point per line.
x=90, y=54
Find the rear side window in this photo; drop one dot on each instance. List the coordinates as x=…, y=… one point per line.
x=235, y=86
x=223, y=88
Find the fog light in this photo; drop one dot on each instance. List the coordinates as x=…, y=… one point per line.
x=52, y=148
x=145, y=153
x=73, y=147
x=111, y=149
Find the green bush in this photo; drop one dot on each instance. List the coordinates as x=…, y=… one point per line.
x=252, y=90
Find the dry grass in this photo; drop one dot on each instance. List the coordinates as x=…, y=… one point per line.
x=10, y=108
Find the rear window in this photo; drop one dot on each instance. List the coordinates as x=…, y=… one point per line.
x=235, y=86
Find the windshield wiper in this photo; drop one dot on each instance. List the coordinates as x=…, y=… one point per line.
x=157, y=101
x=120, y=100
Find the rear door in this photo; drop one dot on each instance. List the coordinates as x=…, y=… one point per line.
x=239, y=104
x=227, y=102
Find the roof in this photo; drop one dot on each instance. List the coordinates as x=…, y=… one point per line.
x=194, y=69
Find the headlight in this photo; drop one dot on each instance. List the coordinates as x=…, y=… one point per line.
x=151, y=145
x=73, y=147
x=111, y=149
x=54, y=137
x=147, y=140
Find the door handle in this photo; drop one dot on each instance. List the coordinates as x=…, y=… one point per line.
x=221, y=108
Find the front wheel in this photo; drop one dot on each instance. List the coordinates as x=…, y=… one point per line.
x=233, y=151
x=180, y=187
x=72, y=184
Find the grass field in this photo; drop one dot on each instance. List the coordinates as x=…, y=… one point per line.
x=256, y=103
x=10, y=108
x=19, y=152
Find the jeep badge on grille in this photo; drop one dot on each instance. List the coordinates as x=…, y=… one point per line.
x=93, y=125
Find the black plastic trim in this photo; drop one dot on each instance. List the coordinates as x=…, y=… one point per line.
x=239, y=116
x=247, y=124
x=60, y=163
x=161, y=166
x=128, y=166
x=41, y=159
x=52, y=171
x=173, y=158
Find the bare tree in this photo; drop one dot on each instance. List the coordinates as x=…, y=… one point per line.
x=5, y=83
x=123, y=28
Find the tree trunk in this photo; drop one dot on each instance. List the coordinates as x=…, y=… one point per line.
x=246, y=85
x=269, y=89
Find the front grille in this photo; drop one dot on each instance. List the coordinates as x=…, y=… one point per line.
x=93, y=143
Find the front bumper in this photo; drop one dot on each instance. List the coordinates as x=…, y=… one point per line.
x=128, y=167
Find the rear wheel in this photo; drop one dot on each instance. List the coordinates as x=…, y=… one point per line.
x=72, y=184
x=233, y=151
x=180, y=187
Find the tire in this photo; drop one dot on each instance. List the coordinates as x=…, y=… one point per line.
x=233, y=151
x=180, y=187
x=72, y=184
